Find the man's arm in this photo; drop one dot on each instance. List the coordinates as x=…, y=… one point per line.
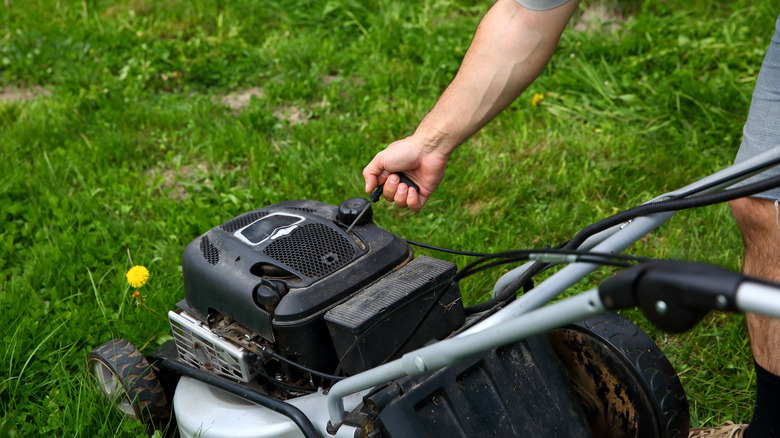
x=510, y=49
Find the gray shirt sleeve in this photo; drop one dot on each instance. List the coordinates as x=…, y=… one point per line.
x=541, y=5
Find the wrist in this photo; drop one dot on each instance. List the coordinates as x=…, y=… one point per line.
x=434, y=139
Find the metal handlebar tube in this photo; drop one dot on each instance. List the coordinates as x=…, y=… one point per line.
x=759, y=297
x=449, y=351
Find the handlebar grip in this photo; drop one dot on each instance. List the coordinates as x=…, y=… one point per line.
x=673, y=295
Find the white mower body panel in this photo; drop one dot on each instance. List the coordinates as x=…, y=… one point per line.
x=203, y=411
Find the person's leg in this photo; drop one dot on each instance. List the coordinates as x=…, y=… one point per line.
x=758, y=220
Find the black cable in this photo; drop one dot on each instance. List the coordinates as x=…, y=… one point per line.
x=522, y=255
x=515, y=256
x=525, y=254
x=286, y=409
x=281, y=358
x=288, y=387
x=450, y=251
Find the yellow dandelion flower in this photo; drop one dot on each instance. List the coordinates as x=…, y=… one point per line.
x=137, y=276
x=536, y=99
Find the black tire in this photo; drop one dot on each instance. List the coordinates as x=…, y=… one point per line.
x=626, y=385
x=127, y=379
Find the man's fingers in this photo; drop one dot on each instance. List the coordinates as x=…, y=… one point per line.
x=414, y=200
x=400, y=195
x=391, y=186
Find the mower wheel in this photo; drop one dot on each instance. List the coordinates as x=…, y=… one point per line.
x=626, y=385
x=126, y=378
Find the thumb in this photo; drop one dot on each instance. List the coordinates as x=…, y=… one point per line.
x=374, y=174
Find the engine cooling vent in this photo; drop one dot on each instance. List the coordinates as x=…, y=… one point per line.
x=314, y=250
x=209, y=251
x=199, y=347
x=239, y=222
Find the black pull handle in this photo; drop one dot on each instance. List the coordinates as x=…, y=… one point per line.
x=374, y=196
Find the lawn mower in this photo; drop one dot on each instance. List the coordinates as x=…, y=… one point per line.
x=305, y=319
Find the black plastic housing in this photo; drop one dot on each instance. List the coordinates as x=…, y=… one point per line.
x=401, y=312
x=298, y=250
x=514, y=391
x=687, y=291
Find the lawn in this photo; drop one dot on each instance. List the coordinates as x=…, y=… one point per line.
x=130, y=127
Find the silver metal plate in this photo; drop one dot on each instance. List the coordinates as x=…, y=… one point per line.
x=201, y=348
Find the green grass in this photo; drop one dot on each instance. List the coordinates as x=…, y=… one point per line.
x=131, y=148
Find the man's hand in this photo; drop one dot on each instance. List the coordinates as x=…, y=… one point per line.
x=411, y=156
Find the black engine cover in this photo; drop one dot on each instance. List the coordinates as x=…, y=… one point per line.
x=277, y=270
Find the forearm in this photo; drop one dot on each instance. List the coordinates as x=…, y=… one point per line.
x=510, y=49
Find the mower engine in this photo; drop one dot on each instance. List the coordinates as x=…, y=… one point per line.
x=278, y=292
